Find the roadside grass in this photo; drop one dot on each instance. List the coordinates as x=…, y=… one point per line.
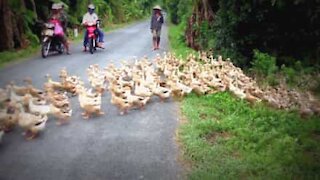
x=227, y=138
x=16, y=55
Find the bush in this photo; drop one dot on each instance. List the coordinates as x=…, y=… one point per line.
x=263, y=64
x=290, y=75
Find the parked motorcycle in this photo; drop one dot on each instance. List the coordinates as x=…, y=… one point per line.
x=51, y=42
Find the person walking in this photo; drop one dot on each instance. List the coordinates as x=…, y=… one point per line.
x=156, y=23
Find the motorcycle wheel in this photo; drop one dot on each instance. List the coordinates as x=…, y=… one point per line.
x=61, y=49
x=45, y=49
x=91, y=45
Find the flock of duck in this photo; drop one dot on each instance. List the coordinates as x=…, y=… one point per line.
x=132, y=86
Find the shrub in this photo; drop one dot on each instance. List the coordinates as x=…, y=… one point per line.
x=263, y=64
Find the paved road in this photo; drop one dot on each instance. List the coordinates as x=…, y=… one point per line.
x=139, y=145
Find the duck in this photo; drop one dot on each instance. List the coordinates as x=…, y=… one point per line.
x=250, y=98
x=19, y=90
x=305, y=111
x=31, y=123
x=96, y=78
x=124, y=83
x=56, y=96
x=14, y=96
x=32, y=90
x=162, y=92
x=314, y=103
x=184, y=88
x=8, y=119
x=141, y=90
x=37, y=109
x=139, y=101
x=116, y=88
x=236, y=91
x=90, y=105
x=3, y=94
x=63, y=115
x=122, y=103
x=53, y=84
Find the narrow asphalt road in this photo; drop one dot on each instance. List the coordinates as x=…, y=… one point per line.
x=139, y=145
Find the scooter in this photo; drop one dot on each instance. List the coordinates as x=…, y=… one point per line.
x=50, y=41
x=92, y=35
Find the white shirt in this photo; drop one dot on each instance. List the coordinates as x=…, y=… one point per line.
x=90, y=18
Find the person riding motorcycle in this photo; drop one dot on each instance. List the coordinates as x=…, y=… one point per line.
x=91, y=18
x=57, y=19
x=64, y=17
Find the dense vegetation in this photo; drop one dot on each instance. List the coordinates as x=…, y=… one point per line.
x=288, y=30
x=21, y=19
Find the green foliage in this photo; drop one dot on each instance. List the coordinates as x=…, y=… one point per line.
x=206, y=37
x=247, y=25
x=290, y=74
x=172, y=8
x=33, y=39
x=263, y=64
x=177, y=41
x=226, y=138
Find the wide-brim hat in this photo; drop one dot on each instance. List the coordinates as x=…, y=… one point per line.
x=157, y=7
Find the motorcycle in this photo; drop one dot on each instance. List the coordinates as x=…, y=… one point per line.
x=51, y=41
x=92, y=35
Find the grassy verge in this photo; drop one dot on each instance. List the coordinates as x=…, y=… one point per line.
x=7, y=57
x=226, y=138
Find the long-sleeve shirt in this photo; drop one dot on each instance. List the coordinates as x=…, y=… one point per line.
x=156, y=22
x=90, y=18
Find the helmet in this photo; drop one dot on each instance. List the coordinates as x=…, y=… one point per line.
x=55, y=6
x=91, y=6
x=157, y=7
x=61, y=4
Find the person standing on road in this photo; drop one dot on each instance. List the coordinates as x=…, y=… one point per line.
x=156, y=23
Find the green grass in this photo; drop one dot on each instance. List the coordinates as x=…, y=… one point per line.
x=7, y=57
x=226, y=138
x=177, y=42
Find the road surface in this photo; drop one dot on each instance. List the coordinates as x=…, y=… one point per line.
x=139, y=145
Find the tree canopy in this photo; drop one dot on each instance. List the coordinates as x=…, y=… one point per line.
x=286, y=29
